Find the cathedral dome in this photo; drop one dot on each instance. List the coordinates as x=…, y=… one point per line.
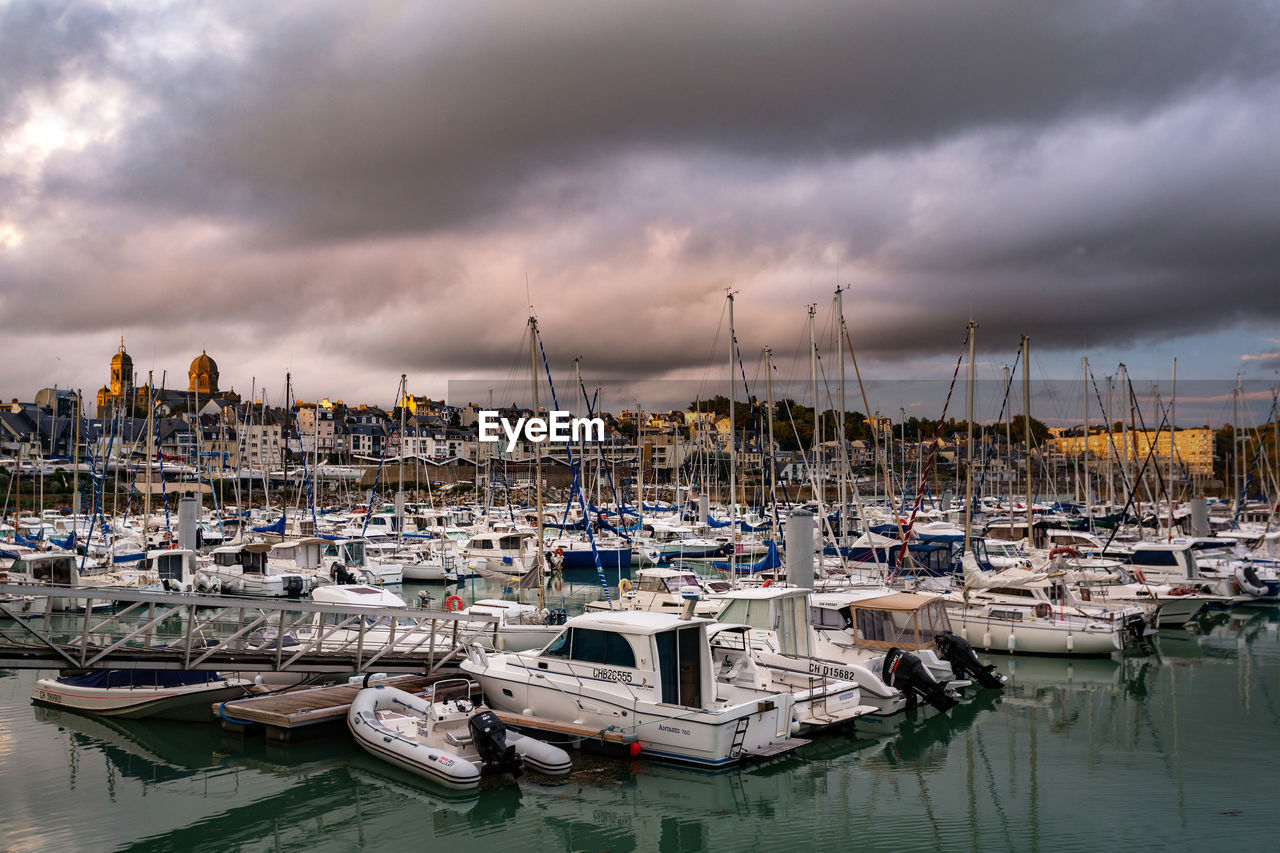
x=203, y=375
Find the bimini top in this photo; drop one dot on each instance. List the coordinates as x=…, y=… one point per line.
x=632, y=621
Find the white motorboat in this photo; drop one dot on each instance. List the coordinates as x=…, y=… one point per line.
x=178, y=571
x=353, y=556
x=1107, y=583
x=648, y=674
x=659, y=591
x=244, y=570
x=61, y=569
x=1024, y=612
x=449, y=741
x=520, y=627
x=780, y=636
x=511, y=552
x=1202, y=565
x=865, y=624
x=134, y=693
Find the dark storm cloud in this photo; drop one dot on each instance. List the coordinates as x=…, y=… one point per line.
x=380, y=180
x=345, y=120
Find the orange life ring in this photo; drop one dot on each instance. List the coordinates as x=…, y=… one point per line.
x=768, y=581
x=1070, y=552
x=559, y=552
x=454, y=603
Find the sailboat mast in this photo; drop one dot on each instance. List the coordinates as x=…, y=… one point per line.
x=773, y=457
x=1084, y=429
x=75, y=464
x=1026, y=426
x=840, y=429
x=968, y=465
x=146, y=499
x=1173, y=440
x=537, y=459
x=813, y=379
x=404, y=403
x=733, y=477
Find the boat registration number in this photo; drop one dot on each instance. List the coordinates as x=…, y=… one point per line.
x=611, y=675
x=828, y=671
x=46, y=696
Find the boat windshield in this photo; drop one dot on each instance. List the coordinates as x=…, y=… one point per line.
x=675, y=584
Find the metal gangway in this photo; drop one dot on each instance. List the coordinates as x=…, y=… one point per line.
x=167, y=630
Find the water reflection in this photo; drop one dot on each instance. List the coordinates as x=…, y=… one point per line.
x=1158, y=749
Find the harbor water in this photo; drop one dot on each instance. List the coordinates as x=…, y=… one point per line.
x=1172, y=750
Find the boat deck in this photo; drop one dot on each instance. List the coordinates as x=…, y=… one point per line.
x=308, y=712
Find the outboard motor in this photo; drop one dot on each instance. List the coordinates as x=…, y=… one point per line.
x=957, y=651
x=490, y=737
x=904, y=671
x=293, y=586
x=340, y=575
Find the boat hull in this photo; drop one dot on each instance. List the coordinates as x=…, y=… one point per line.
x=139, y=702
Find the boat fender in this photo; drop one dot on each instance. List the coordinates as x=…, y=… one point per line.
x=957, y=651
x=768, y=581
x=1247, y=579
x=490, y=737
x=1137, y=573
x=454, y=603
x=906, y=672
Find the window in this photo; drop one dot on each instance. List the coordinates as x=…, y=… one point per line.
x=830, y=617
x=559, y=647
x=874, y=625
x=753, y=612
x=1154, y=558
x=591, y=646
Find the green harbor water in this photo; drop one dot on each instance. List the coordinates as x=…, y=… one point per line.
x=1179, y=749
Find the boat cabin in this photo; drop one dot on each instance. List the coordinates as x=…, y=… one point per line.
x=50, y=568
x=782, y=612
x=172, y=564
x=669, y=581
x=882, y=620
x=302, y=553
x=349, y=552
x=251, y=558
x=635, y=648
x=1168, y=558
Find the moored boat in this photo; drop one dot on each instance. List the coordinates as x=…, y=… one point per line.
x=450, y=741
x=134, y=693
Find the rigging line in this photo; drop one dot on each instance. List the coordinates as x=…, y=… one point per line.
x=1111, y=438
x=999, y=419
x=1248, y=480
x=875, y=441
x=576, y=486
x=933, y=454
x=1132, y=492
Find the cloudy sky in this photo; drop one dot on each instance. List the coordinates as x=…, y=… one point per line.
x=352, y=191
